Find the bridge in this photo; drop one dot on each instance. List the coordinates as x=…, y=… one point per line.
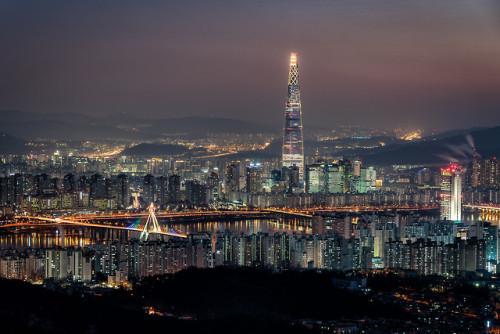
x=483, y=208
x=372, y=208
x=145, y=226
x=289, y=213
x=309, y=212
x=183, y=216
x=151, y=226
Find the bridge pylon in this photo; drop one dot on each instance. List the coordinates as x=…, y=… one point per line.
x=151, y=221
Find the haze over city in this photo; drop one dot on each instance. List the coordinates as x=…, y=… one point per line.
x=431, y=64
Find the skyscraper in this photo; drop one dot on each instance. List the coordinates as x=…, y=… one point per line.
x=254, y=178
x=232, y=178
x=293, y=143
x=162, y=191
x=148, y=189
x=123, y=191
x=484, y=173
x=174, y=188
x=451, y=193
x=316, y=181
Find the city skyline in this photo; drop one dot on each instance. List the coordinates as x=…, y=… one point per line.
x=156, y=176
x=428, y=64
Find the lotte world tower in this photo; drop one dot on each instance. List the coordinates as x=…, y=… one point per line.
x=293, y=143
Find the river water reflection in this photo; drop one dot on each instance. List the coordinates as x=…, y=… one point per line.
x=66, y=236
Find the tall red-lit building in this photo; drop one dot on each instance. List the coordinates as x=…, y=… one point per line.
x=451, y=193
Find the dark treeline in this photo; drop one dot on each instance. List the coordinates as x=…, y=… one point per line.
x=222, y=300
x=224, y=292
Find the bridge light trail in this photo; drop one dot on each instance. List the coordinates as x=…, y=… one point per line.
x=107, y=220
x=60, y=221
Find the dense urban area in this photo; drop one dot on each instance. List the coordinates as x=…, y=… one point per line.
x=364, y=224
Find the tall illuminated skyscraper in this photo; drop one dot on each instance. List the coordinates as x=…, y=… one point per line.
x=293, y=143
x=451, y=193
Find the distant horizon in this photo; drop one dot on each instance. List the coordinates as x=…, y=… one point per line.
x=252, y=121
x=425, y=64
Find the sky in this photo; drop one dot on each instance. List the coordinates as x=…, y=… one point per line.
x=387, y=63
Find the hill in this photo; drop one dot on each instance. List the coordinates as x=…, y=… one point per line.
x=456, y=148
x=12, y=145
x=65, y=126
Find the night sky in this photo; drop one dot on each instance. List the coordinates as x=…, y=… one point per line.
x=432, y=63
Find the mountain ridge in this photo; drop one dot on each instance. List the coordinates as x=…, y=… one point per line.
x=64, y=126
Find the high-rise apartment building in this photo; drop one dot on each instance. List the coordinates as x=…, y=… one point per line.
x=484, y=173
x=162, y=191
x=174, y=188
x=148, y=189
x=56, y=264
x=233, y=178
x=123, y=191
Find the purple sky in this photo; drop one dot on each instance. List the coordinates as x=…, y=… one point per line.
x=393, y=62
